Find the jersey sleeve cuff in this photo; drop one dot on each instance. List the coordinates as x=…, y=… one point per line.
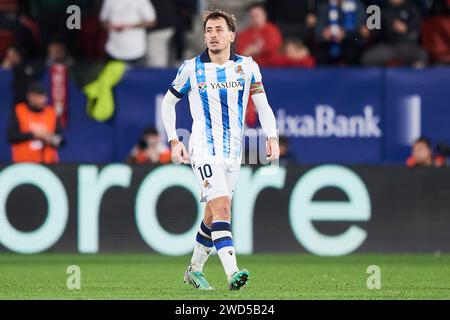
x=273, y=133
x=177, y=94
x=172, y=136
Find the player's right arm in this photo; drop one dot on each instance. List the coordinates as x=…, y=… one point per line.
x=179, y=152
x=179, y=87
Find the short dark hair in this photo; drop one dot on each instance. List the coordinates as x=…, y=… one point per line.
x=150, y=131
x=295, y=41
x=424, y=140
x=37, y=88
x=58, y=39
x=254, y=5
x=217, y=14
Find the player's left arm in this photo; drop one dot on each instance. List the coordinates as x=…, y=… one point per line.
x=265, y=114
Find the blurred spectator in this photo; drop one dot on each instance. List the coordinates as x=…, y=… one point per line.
x=238, y=8
x=51, y=18
x=194, y=39
x=296, y=19
x=126, y=21
x=8, y=23
x=12, y=58
x=443, y=151
x=293, y=54
x=261, y=39
x=440, y=7
x=287, y=157
x=34, y=130
x=158, y=38
x=17, y=28
x=341, y=32
x=399, y=37
x=60, y=65
x=422, y=155
x=429, y=8
x=185, y=12
x=8, y=7
x=436, y=33
x=92, y=36
x=57, y=53
x=25, y=72
x=150, y=149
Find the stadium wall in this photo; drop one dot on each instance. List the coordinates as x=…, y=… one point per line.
x=326, y=210
x=346, y=116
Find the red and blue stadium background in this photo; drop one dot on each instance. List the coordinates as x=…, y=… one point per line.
x=388, y=109
x=369, y=202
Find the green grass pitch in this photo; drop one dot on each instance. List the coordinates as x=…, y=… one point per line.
x=132, y=276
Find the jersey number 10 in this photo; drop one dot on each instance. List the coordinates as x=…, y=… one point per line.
x=205, y=171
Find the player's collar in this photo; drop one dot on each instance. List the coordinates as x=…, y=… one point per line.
x=204, y=57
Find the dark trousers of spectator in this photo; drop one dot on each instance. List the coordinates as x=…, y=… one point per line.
x=52, y=26
x=350, y=53
x=23, y=37
x=297, y=31
x=139, y=62
x=383, y=54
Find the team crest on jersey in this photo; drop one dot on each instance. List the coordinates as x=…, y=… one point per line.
x=239, y=70
x=202, y=86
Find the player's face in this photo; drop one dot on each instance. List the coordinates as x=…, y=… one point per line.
x=217, y=35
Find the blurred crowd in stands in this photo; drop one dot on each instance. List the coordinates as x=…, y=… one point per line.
x=35, y=38
x=161, y=33
x=423, y=155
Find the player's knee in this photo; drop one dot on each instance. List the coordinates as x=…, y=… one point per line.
x=208, y=220
x=223, y=216
x=221, y=208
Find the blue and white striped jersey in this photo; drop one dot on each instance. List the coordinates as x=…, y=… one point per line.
x=218, y=96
